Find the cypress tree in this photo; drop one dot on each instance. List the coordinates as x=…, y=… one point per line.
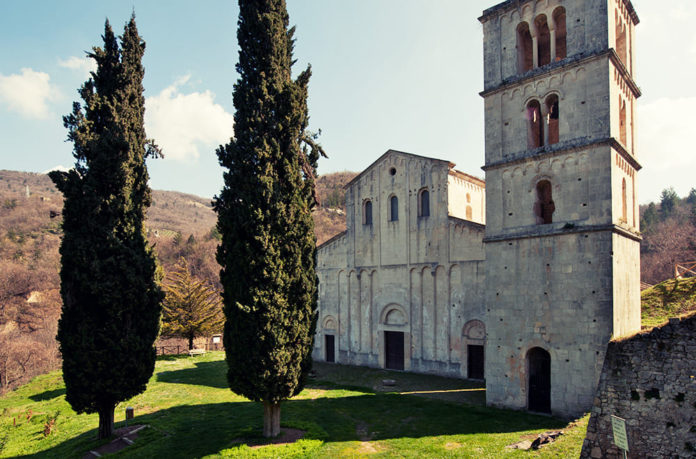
x=109, y=276
x=268, y=245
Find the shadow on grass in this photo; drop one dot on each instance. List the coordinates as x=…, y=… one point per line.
x=48, y=395
x=199, y=430
x=211, y=374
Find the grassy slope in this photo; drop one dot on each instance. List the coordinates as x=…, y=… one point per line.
x=671, y=298
x=191, y=413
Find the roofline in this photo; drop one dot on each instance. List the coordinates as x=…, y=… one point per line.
x=511, y=4
x=475, y=225
x=332, y=239
x=390, y=151
x=469, y=178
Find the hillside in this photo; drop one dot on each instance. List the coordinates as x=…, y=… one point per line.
x=179, y=225
x=671, y=298
x=330, y=216
x=669, y=235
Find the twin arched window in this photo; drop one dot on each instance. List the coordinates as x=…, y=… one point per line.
x=542, y=42
x=542, y=122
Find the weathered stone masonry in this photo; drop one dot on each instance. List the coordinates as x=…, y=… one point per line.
x=531, y=299
x=650, y=381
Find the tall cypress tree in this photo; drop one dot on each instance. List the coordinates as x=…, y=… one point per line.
x=268, y=245
x=109, y=276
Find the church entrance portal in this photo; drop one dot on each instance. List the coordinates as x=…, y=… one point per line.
x=394, y=350
x=539, y=383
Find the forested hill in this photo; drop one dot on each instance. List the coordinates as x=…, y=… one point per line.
x=669, y=235
x=179, y=225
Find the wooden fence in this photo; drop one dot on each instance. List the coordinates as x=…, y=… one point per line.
x=685, y=269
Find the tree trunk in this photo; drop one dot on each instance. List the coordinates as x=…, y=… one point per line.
x=190, y=338
x=271, y=419
x=106, y=422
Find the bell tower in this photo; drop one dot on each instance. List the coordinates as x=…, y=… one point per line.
x=562, y=237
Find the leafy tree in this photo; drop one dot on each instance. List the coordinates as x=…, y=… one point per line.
x=268, y=245
x=650, y=217
x=691, y=198
x=191, y=307
x=668, y=202
x=109, y=276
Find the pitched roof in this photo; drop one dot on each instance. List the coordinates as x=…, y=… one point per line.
x=391, y=152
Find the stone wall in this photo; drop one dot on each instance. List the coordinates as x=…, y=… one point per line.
x=421, y=274
x=649, y=380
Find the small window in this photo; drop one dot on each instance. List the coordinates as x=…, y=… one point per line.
x=392, y=171
x=622, y=121
x=544, y=206
x=552, y=118
x=424, y=204
x=469, y=213
x=620, y=37
x=543, y=40
x=535, y=128
x=367, y=213
x=394, y=209
x=524, y=48
x=559, y=18
x=624, y=206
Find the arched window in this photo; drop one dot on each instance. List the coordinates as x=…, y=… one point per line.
x=620, y=38
x=539, y=380
x=622, y=121
x=559, y=18
x=544, y=206
x=394, y=209
x=424, y=203
x=535, y=130
x=367, y=212
x=469, y=213
x=552, y=118
x=543, y=40
x=624, y=206
x=525, y=52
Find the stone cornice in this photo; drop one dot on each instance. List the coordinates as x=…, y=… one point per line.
x=508, y=5
x=569, y=228
x=550, y=151
x=563, y=65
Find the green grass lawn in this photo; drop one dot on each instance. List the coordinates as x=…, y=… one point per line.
x=345, y=410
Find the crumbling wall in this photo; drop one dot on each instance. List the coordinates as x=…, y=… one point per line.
x=650, y=381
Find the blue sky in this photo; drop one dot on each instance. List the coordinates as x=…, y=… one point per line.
x=402, y=74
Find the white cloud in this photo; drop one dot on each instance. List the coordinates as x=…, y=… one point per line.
x=82, y=64
x=183, y=123
x=28, y=93
x=665, y=146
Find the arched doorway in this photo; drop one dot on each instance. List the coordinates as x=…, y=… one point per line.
x=330, y=329
x=539, y=380
x=473, y=342
x=393, y=328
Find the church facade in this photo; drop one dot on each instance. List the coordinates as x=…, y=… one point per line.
x=521, y=280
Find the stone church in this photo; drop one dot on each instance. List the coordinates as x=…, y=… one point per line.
x=523, y=279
